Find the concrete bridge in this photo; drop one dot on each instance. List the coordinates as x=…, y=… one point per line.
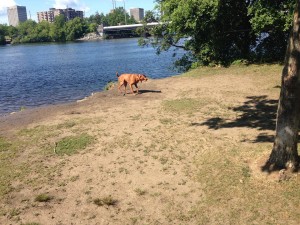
x=123, y=30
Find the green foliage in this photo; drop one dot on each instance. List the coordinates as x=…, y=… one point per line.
x=75, y=29
x=57, y=31
x=219, y=32
x=271, y=22
x=109, y=86
x=2, y=34
x=150, y=16
x=92, y=27
x=97, y=18
x=43, y=32
x=117, y=17
x=60, y=30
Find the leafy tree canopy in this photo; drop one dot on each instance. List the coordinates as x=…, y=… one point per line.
x=118, y=17
x=150, y=16
x=222, y=31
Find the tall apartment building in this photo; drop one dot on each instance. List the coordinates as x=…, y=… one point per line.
x=137, y=13
x=49, y=16
x=16, y=14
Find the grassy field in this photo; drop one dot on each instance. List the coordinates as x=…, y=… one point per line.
x=191, y=154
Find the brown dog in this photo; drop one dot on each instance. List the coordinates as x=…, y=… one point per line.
x=131, y=79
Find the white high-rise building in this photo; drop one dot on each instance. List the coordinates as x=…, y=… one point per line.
x=16, y=14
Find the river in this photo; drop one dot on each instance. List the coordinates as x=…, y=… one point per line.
x=34, y=75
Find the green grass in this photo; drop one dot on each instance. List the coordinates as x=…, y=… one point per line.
x=67, y=125
x=43, y=198
x=41, y=132
x=4, y=145
x=72, y=144
x=8, y=170
x=259, y=70
x=36, y=142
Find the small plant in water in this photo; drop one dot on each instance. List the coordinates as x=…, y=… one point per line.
x=109, y=86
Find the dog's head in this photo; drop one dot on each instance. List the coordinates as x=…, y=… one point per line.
x=142, y=77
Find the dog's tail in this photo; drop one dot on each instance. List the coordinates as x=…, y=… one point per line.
x=117, y=74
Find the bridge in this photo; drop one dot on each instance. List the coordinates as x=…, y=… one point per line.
x=123, y=30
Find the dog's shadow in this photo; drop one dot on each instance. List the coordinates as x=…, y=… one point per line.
x=149, y=91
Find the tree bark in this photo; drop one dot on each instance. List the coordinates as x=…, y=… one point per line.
x=284, y=153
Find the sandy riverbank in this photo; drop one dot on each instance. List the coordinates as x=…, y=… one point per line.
x=187, y=150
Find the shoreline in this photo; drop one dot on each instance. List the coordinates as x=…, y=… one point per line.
x=24, y=108
x=27, y=116
x=56, y=80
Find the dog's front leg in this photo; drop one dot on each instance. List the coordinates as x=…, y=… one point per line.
x=131, y=89
x=137, y=89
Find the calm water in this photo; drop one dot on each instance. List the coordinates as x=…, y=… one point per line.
x=44, y=74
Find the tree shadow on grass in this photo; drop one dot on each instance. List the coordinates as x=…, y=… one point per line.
x=257, y=112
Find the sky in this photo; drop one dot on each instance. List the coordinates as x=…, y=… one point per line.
x=88, y=6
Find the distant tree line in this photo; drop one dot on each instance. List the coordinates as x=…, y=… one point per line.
x=61, y=30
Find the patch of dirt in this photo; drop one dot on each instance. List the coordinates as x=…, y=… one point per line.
x=150, y=165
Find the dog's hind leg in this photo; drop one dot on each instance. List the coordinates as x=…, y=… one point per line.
x=119, y=87
x=125, y=86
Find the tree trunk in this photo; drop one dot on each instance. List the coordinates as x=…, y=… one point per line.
x=284, y=153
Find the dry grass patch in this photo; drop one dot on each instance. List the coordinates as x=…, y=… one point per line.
x=105, y=201
x=184, y=105
x=32, y=223
x=43, y=198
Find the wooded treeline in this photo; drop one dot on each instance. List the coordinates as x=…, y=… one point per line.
x=61, y=30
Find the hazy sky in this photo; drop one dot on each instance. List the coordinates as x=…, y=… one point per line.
x=88, y=6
